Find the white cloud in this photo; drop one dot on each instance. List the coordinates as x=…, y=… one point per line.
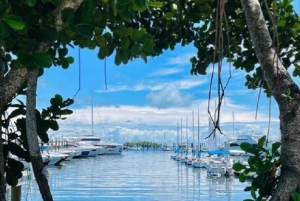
x=166, y=71
x=169, y=96
x=189, y=83
x=181, y=59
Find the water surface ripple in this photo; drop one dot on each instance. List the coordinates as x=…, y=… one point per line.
x=135, y=176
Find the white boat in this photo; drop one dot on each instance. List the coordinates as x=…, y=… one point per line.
x=107, y=148
x=69, y=152
x=167, y=148
x=53, y=158
x=112, y=148
x=234, y=145
x=87, y=149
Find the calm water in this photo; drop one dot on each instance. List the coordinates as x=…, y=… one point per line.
x=134, y=176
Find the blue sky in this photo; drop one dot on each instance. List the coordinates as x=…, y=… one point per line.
x=145, y=101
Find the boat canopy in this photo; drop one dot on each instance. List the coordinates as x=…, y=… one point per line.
x=220, y=152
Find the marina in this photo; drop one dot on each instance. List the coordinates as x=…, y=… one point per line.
x=134, y=175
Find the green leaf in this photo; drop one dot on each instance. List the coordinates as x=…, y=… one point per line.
x=62, y=52
x=67, y=16
x=16, y=165
x=261, y=141
x=67, y=102
x=281, y=23
x=11, y=179
x=98, y=16
x=253, y=194
x=14, y=21
x=42, y=59
x=85, y=30
x=53, y=125
x=169, y=15
x=295, y=196
x=64, y=63
x=102, y=52
x=17, y=150
x=136, y=35
x=157, y=4
x=44, y=137
x=123, y=55
x=3, y=30
x=66, y=112
x=25, y=58
x=88, y=9
x=101, y=40
x=245, y=145
x=275, y=147
x=70, y=60
x=242, y=177
x=17, y=112
x=118, y=58
x=139, y=5
x=31, y=2
x=238, y=167
x=296, y=26
x=148, y=46
x=56, y=101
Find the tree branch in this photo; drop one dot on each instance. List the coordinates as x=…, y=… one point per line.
x=74, y=4
x=275, y=74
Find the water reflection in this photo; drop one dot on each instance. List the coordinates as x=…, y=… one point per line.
x=134, y=176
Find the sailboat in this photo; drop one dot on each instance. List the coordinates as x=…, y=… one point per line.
x=197, y=163
x=165, y=146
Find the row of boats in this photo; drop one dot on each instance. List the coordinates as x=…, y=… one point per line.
x=79, y=147
x=218, y=162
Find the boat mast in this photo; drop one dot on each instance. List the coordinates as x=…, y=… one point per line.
x=186, y=131
x=92, y=113
x=181, y=134
x=178, y=134
x=199, y=149
x=193, y=131
x=233, y=124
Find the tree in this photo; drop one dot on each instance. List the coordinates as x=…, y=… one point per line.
x=39, y=32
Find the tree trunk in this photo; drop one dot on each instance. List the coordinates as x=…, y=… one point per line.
x=32, y=137
x=2, y=165
x=2, y=162
x=279, y=82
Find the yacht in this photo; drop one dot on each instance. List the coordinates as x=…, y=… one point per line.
x=234, y=145
x=87, y=149
x=108, y=148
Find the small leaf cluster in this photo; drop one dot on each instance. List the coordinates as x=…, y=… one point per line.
x=15, y=141
x=265, y=164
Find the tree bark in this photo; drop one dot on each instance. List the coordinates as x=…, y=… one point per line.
x=32, y=137
x=279, y=82
x=2, y=162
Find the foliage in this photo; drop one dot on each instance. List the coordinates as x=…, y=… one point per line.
x=132, y=29
x=265, y=164
x=15, y=141
x=142, y=144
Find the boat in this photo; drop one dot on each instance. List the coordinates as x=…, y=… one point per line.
x=53, y=158
x=112, y=148
x=234, y=145
x=167, y=148
x=87, y=149
x=107, y=148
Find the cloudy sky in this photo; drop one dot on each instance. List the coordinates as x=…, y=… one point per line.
x=147, y=101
